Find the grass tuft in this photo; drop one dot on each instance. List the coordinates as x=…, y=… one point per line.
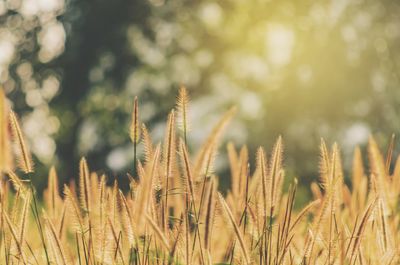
x=174, y=214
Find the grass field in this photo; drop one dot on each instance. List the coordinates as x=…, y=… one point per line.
x=173, y=212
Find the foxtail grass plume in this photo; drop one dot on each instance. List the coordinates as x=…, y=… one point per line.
x=134, y=130
x=24, y=156
x=182, y=106
x=5, y=151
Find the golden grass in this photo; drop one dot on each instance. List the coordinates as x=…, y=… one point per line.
x=172, y=212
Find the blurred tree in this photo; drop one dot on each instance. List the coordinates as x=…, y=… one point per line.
x=31, y=37
x=96, y=62
x=304, y=69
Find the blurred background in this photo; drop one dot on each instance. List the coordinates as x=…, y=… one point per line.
x=303, y=69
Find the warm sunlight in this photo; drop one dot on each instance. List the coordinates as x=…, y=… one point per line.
x=279, y=43
x=173, y=132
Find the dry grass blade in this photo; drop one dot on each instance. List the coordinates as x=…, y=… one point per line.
x=59, y=251
x=209, y=217
x=188, y=172
x=126, y=217
x=14, y=236
x=158, y=232
x=389, y=154
x=361, y=228
x=303, y=213
x=23, y=221
x=16, y=181
x=236, y=229
x=179, y=233
x=210, y=145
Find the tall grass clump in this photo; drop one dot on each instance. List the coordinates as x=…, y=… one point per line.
x=173, y=213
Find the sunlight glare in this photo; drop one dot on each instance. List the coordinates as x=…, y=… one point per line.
x=279, y=44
